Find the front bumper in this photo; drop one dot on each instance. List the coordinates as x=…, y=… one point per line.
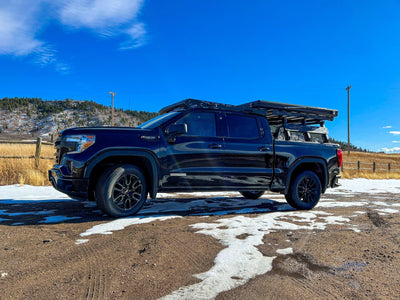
x=73, y=187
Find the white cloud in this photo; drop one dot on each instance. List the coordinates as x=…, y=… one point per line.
x=391, y=150
x=395, y=132
x=386, y=127
x=137, y=37
x=18, y=26
x=395, y=141
x=99, y=14
x=22, y=22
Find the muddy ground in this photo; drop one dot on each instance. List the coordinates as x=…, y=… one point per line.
x=358, y=258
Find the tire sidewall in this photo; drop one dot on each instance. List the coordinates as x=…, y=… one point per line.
x=106, y=185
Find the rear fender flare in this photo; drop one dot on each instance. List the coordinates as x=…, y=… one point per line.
x=307, y=160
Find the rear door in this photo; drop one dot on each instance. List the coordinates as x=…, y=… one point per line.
x=248, y=157
x=194, y=160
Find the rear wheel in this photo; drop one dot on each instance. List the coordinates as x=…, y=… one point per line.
x=121, y=191
x=252, y=194
x=305, y=191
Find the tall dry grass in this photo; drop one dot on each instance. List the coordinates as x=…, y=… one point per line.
x=23, y=170
x=366, y=159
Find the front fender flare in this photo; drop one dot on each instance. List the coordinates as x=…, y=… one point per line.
x=118, y=152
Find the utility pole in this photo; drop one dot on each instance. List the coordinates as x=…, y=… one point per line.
x=348, y=118
x=112, y=108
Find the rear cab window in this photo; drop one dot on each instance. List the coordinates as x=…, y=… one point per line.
x=242, y=127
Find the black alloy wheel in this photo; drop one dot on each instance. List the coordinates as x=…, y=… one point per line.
x=121, y=190
x=305, y=191
x=127, y=191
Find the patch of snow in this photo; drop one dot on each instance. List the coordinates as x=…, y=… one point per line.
x=336, y=220
x=388, y=210
x=17, y=192
x=380, y=203
x=371, y=186
x=285, y=251
x=341, y=204
x=81, y=241
x=119, y=224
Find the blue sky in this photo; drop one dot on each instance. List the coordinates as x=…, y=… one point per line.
x=152, y=53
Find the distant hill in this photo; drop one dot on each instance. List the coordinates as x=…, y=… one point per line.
x=344, y=146
x=33, y=117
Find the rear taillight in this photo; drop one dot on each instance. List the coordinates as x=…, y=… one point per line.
x=339, y=157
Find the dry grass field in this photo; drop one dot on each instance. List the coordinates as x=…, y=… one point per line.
x=23, y=170
x=366, y=168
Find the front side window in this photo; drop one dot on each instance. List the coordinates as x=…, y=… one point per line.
x=200, y=124
x=243, y=127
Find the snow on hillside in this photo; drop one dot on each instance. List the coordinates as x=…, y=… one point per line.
x=240, y=260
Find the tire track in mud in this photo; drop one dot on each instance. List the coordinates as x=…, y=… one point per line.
x=97, y=285
x=181, y=247
x=306, y=285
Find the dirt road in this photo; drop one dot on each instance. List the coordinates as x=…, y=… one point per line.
x=201, y=246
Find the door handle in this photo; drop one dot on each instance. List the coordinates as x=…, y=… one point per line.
x=263, y=148
x=215, y=146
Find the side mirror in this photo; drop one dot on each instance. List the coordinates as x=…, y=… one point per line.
x=176, y=129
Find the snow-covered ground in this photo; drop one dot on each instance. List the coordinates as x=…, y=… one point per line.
x=240, y=260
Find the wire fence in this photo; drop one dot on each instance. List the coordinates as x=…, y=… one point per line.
x=37, y=155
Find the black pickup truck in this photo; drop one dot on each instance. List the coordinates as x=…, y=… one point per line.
x=196, y=145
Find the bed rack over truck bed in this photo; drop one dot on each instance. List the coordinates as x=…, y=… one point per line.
x=275, y=112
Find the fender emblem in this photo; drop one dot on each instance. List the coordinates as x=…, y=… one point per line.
x=148, y=137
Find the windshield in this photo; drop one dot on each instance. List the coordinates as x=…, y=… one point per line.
x=157, y=121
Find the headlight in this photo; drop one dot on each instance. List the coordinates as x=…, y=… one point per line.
x=80, y=142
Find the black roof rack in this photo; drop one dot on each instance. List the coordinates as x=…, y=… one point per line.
x=275, y=112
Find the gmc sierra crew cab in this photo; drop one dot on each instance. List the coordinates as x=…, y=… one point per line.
x=196, y=145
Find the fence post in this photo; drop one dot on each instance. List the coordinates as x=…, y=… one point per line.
x=342, y=168
x=373, y=166
x=389, y=167
x=358, y=166
x=37, y=153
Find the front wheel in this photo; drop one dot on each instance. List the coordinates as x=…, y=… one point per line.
x=252, y=194
x=305, y=191
x=121, y=191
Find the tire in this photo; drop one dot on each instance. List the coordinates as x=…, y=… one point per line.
x=121, y=191
x=252, y=194
x=305, y=191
